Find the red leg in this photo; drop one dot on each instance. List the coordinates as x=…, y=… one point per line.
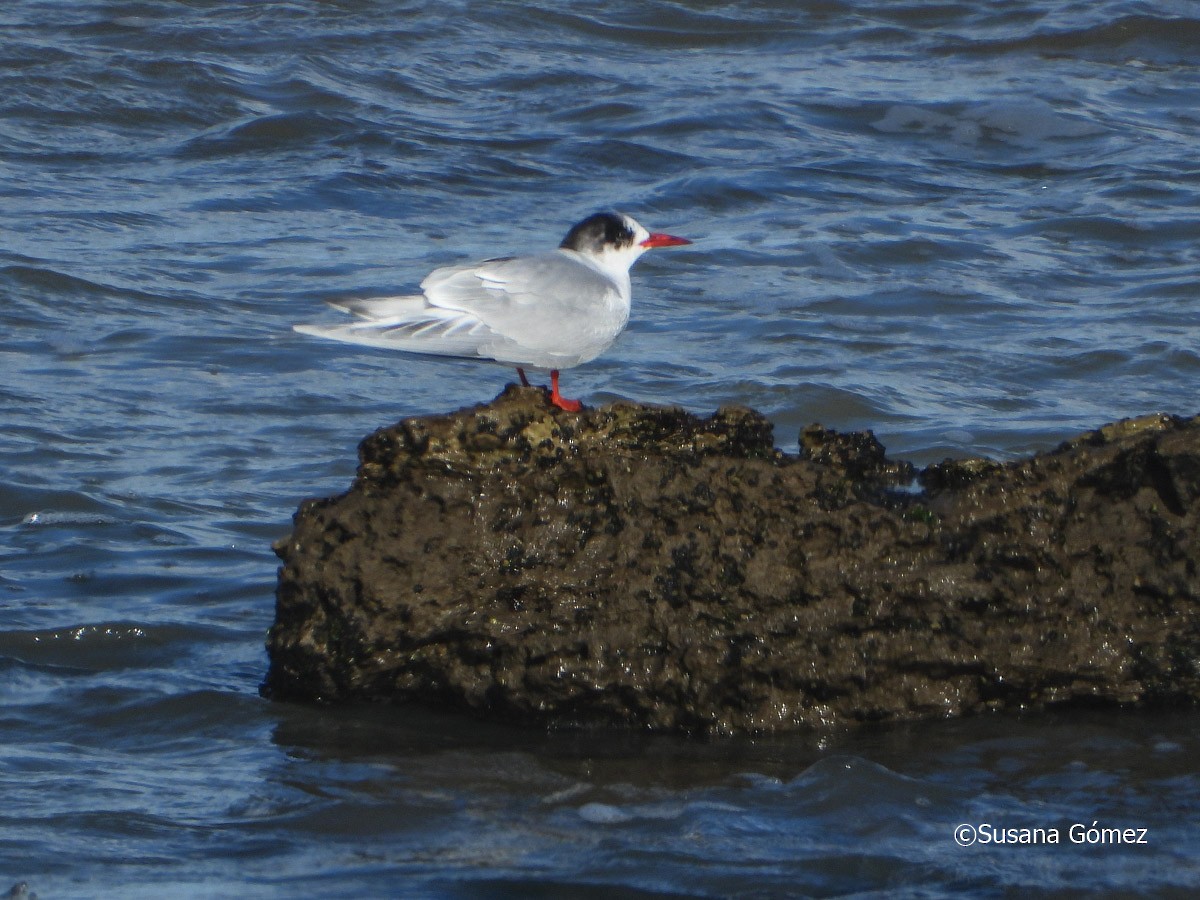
x=524, y=380
x=558, y=399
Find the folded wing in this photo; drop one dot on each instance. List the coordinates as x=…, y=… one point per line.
x=550, y=310
x=551, y=302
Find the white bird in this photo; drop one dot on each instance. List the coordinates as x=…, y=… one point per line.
x=550, y=311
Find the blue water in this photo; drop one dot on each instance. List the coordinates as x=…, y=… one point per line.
x=971, y=227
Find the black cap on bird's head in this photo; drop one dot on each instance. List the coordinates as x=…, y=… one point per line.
x=599, y=232
x=607, y=231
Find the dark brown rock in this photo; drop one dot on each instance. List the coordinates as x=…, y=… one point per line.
x=641, y=566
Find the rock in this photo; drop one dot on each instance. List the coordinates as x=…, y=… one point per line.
x=641, y=566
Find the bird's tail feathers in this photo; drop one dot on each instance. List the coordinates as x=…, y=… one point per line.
x=382, y=308
x=427, y=330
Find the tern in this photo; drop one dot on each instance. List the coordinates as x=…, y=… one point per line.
x=549, y=311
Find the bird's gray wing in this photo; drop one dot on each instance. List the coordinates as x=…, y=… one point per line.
x=548, y=302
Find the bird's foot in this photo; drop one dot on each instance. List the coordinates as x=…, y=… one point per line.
x=564, y=403
x=558, y=399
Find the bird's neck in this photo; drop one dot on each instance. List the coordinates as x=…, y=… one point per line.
x=613, y=266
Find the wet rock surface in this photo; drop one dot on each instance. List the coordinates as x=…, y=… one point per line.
x=641, y=566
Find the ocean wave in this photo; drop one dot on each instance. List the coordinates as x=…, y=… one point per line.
x=1158, y=40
